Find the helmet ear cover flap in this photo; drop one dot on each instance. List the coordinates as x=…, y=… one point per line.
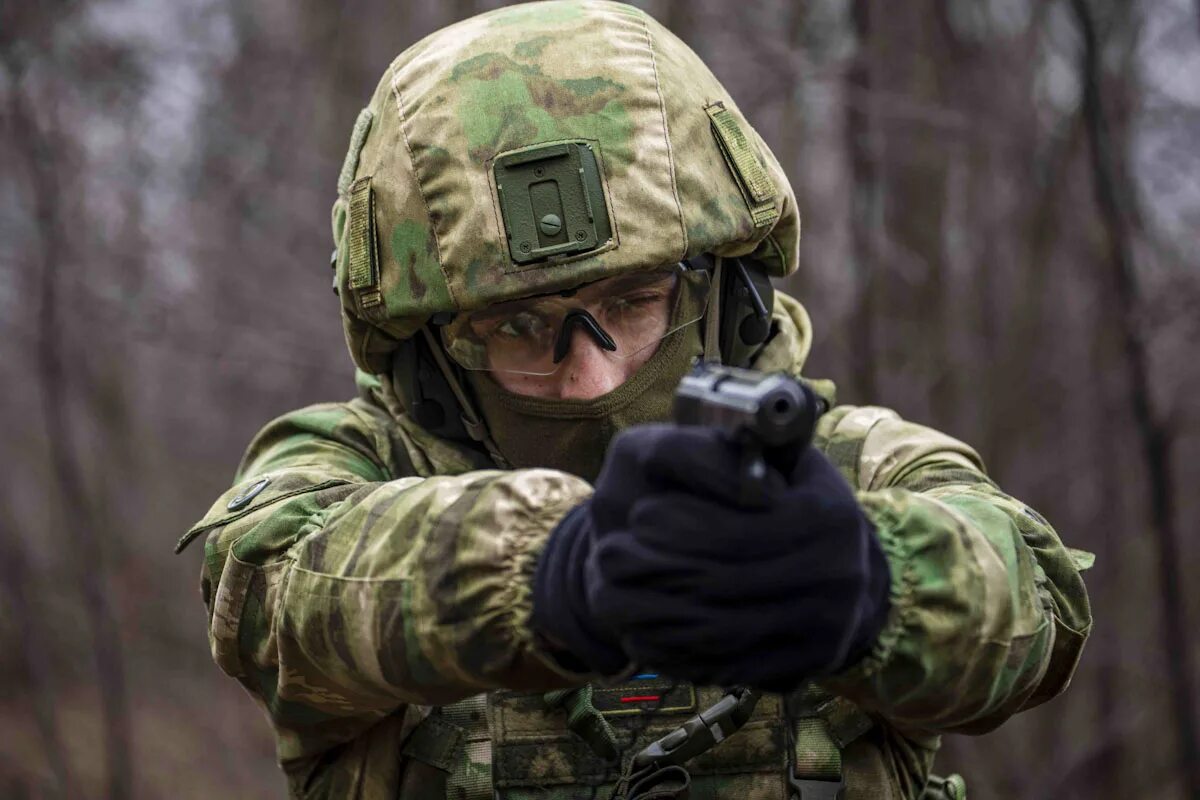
x=747, y=298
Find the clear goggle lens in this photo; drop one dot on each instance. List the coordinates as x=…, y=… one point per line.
x=531, y=336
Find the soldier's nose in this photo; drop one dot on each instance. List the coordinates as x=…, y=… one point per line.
x=588, y=371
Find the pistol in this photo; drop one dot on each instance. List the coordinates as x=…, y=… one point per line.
x=771, y=416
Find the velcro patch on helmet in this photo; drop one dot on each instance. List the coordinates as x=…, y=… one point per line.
x=363, y=250
x=744, y=161
x=358, y=138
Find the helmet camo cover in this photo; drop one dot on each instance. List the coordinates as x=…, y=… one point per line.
x=422, y=225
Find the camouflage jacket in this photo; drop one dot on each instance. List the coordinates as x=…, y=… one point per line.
x=361, y=571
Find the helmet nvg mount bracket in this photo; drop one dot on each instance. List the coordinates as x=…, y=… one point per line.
x=551, y=201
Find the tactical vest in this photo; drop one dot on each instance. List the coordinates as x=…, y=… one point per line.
x=588, y=743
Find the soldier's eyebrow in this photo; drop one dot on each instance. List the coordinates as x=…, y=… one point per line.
x=624, y=283
x=604, y=286
x=509, y=307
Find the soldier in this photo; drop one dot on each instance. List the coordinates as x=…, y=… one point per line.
x=488, y=575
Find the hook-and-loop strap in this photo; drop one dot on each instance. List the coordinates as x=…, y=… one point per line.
x=745, y=162
x=363, y=243
x=455, y=739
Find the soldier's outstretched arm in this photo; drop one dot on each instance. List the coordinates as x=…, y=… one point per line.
x=989, y=613
x=339, y=590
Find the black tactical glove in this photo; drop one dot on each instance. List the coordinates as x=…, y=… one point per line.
x=560, y=607
x=701, y=588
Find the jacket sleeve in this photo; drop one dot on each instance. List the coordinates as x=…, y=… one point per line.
x=339, y=590
x=989, y=612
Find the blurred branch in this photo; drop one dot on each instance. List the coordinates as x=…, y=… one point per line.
x=1113, y=198
x=866, y=213
x=41, y=155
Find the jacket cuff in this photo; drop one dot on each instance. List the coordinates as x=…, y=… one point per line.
x=527, y=544
x=901, y=594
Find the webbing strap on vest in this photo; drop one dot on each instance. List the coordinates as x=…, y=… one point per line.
x=817, y=756
x=455, y=739
x=585, y=719
x=435, y=742
x=471, y=776
x=817, y=766
x=656, y=772
x=821, y=727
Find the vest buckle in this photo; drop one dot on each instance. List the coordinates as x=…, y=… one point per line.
x=804, y=789
x=700, y=733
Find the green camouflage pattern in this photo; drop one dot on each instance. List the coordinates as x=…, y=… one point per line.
x=601, y=72
x=533, y=752
x=382, y=571
x=368, y=583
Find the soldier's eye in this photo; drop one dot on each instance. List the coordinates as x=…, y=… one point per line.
x=644, y=302
x=520, y=326
x=642, y=298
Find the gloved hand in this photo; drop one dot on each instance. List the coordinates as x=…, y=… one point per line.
x=561, y=613
x=692, y=584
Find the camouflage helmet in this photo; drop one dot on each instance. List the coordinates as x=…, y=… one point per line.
x=437, y=209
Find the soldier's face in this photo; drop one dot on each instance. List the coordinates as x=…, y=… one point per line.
x=586, y=373
x=579, y=344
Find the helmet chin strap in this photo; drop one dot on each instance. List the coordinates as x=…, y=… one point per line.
x=472, y=420
x=712, y=319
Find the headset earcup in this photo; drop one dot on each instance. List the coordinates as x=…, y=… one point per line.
x=742, y=329
x=426, y=395
x=753, y=331
x=429, y=414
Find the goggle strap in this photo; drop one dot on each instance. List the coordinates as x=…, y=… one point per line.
x=712, y=317
x=472, y=421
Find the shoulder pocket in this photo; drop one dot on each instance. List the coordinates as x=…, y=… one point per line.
x=256, y=492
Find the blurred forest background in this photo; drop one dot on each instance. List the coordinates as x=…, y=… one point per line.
x=1002, y=209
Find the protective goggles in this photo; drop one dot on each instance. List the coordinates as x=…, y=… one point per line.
x=625, y=315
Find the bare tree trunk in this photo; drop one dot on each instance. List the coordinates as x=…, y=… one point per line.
x=1110, y=188
x=464, y=9
x=52, y=383
x=1109, y=774
x=866, y=205
x=89, y=556
x=790, y=136
x=35, y=659
x=678, y=16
